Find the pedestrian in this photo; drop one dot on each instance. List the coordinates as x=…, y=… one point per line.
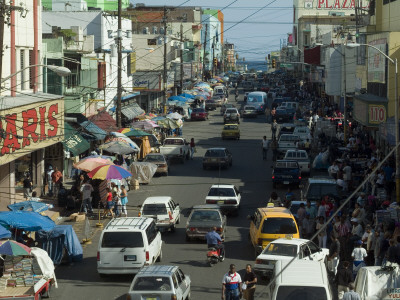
x=301, y=214
x=333, y=257
x=393, y=253
x=117, y=203
x=109, y=204
x=231, y=285
x=124, y=200
x=322, y=235
x=343, y=277
x=87, y=190
x=56, y=177
x=351, y=294
x=34, y=197
x=358, y=254
x=346, y=176
x=275, y=199
x=333, y=170
x=49, y=181
x=274, y=127
x=265, y=147
x=192, y=148
x=250, y=280
x=274, y=148
x=27, y=186
x=307, y=226
x=311, y=210
x=369, y=241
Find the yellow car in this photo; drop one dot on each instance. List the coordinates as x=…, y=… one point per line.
x=231, y=131
x=271, y=223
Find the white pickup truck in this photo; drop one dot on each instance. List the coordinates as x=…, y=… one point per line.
x=175, y=148
x=302, y=159
x=287, y=142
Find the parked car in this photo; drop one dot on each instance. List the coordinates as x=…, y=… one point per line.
x=211, y=104
x=286, y=128
x=225, y=106
x=287, y=249
x=175, y=148
x=231, y=115
x=159, y=160
x=231, y=131
x=202, y=219
x=161, y=283
x=303, y=132
x=219, y=100
x=249, y=111
x=287, y=142
x=226, y=196
x=217, y=157
x=317, y=187
x=281, y=115
x=199, y=114
x=163, y=209
x=286, y=172
x=301, y=156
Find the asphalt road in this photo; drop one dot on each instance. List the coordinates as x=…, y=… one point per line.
x=188, y=184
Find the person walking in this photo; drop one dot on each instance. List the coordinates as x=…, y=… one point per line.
x=333, y=257
x=109, y=204
x=322, y=235
x=307, y=226
x=274, y=127
x=56, y=177
x=49, y=180
x=231, y=285
x=343, y=278
x=117, y=203
x=250, y=280
x=358, y=254
x=351, y=294
x=124, y=200
x=274, y=148
x=265, y=147
x=87, y=190
x=301, y=214
x=27, y=187
x=192, y=148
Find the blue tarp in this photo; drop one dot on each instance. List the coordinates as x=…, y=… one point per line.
x=4, y=233
x=25, y=220
x=54, y=242
x=29, y=206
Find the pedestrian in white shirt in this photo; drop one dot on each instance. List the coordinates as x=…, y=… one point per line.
x=346, y=176
x=86, y=190
x=265, y=147
x=358, y=254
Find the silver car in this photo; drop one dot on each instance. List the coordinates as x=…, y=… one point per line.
x=160, y=283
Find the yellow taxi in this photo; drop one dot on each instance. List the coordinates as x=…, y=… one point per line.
x=271, y=223
x=231, y=131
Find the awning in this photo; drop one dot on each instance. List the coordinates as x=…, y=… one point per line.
x=88, y=126
x=73, y=141
x=127, y=97
x=370, y=110
x=132, y=111
x=104, y=121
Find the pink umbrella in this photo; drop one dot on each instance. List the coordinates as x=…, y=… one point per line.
x=88, y=164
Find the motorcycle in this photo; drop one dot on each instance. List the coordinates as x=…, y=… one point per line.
x=214, y=256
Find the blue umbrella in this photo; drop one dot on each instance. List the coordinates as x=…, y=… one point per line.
x=178, y=98
x=25, y=220
x=4, y=233
x=158, y=118
x=186, y=95
x=29, y=206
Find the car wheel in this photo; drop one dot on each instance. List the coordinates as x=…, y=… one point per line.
x=178, y=220
x=187, y=156
x=102, y=275
x=188, y=297
x=166, y=174
x=159, y=258
x=173, y=228
x=231, y=162
x=188, y=239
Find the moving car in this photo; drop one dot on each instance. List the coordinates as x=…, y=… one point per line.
x=248, y=86
x=258, y=100
x=202, y=219
x=161, y=283
x=317, y=187
x=127, y=244
x=176, y=148
x=226, y=106
x=211, y=104
x=159, y=160
x=231, y=131
x=199, y=114
x=217, y=157
x=231, y=115
x=226, y=196
x=219, y=100
x=286, y=249
x=164, y=211
x=281, y=115
x=301, y=156
x=271, y=223
x=249, y=111
x=286, y=172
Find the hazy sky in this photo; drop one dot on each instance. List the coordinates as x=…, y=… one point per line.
x=266, y=23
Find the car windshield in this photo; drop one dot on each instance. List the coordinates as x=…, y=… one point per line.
x=281, y=249
x=230, y=127
x=198, y=110
x=205, y=215
x=173, y=142
x=301, y=293
x=318, y=190
x=122, y=240
x=228, y=105
x=154, y=158
x=215, y=153
x=154, y=209
x=254, y=99
x=152, y=283
x=279, y=226
x=222, y=192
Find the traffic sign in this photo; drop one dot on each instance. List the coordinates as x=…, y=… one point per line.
x=283, y=65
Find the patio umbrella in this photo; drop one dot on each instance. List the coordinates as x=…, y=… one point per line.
x=13, y=248
x=117, y=136
x=174, y=115
x=158, y=119
x=109, y=172
x=88, y=164
x=26, y=220
x=35, y=206
x=99, y=156
x=118, y=147
x=186, y=95
x=136, y=132
x=147, y=125
x=178, y=98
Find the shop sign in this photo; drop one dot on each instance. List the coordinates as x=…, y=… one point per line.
x=28, y=128
x=376, y=61
x=336, y=4
x=376, y=114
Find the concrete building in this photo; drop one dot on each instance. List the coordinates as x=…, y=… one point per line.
x=229, y=57
x=210, y=35
x=82, y=5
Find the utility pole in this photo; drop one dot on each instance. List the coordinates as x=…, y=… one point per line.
x=119, y=74
x=204, y=52
x=345, y=128
x=182, y=47
x=2, y=13
x=165, y=60
x=213, y=53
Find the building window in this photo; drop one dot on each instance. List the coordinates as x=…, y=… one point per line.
x=31, y=71
x=22, y=66
x=24, y=167
x=145, y=30
x=152, y=42
x=161, y=30
x=155, y=30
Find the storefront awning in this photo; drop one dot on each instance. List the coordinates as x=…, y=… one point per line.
x=132, y=111
x=89, y=126
x=370, y=110
x=104, y=121
x=73, y=141
x=128, y=96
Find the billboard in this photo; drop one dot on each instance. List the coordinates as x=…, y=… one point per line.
x=376, y=61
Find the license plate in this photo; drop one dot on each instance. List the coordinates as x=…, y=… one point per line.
x=286, y=182
x=197, y=115
x=130, y=258
x=221, y=202
x=151, y=298
x=213, y=159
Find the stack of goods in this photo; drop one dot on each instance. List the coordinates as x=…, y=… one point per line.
x=17, y=272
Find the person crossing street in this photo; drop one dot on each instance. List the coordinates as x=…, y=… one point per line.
x=231, y=285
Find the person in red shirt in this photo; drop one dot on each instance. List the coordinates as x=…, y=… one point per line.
x=109, y=204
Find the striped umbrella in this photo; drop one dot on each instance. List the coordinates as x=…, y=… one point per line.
x=109, y=172
x=13, y=248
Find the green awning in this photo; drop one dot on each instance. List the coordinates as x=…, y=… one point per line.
x=73, y=141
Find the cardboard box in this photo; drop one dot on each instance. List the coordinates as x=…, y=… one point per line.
x=77, y=217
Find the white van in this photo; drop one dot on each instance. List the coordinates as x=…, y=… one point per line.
x=220, y=90
x=302, y=279
x=127, y=244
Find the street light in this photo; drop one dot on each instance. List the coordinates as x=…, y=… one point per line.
x=59, y=70
x=396, y=112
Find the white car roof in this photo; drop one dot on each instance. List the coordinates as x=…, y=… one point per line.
x=290, y=241
x=157, y=199
x=223, y=186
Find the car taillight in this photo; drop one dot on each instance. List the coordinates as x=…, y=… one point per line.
x=98, y=255
x=273, y=177
x=258, y=261
x=211, y=201
x=192, y=229
x=173, y=297
x=219, y=229
x=259, y=242
x=299, y=177
x=147, y=256
x=128, y=297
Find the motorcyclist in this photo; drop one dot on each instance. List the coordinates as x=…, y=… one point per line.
x=214, y=241
x=236, y=94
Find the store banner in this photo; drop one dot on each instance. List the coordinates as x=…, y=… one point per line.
x=376, y=61
x=28, y=128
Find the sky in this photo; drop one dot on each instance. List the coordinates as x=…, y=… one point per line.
x=256, y=27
